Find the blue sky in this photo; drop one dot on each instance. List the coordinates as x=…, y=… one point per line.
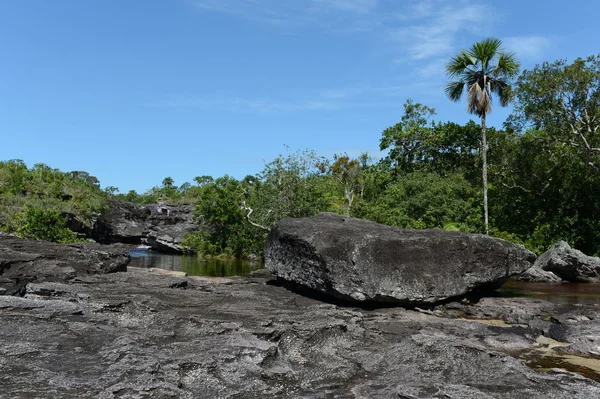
x=134, y=91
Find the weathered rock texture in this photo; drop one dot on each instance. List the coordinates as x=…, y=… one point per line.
x=359, y=260
x=569, y=264
x=140, y=335
x=537, y=275
x=25, y=261
x=160, y=226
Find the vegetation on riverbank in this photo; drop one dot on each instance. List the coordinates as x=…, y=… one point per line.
x=543, y=175
x=37, y=202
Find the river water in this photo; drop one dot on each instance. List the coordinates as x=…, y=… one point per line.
x=192, y=265
x=562, y=293
x=565, y=293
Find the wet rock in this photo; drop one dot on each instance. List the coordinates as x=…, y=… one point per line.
x=358, y=260
x=570, y=264
x=137, y=334
x=25, y=261
x=261, y=273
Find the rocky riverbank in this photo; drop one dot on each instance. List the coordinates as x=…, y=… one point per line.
x=80, y=323
x=162, y=227
x=144, y=333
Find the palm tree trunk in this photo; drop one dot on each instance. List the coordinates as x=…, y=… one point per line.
x=484, y=174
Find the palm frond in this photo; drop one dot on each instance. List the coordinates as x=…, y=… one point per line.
x=504, y=91
x=507, y=66
x=457, y=65
x=454, y=90
x=485, y=51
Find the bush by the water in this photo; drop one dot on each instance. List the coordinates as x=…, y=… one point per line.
x=44, y=224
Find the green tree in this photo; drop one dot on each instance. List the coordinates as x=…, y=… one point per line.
x=419, y=143
x=168, y=189
x=203, y=180
x=407, y=140
x=111, y=190
x=481, y=71
x=563, y=100
x=348, y=173
x=290, y=186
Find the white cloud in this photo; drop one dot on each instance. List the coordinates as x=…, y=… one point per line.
x=527, y=47
x=338, y=15
x=434, y=68
x=356, y=6
x=263, y=105
x=432, y=29
x=357, y=97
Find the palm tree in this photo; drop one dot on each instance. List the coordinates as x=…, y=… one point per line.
x=483, y=69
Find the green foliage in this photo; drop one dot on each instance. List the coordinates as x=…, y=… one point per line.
x=424, y=200
x=545, y=193
x=563, y=100
x=418, y=143
x=44, y=188
x=44, y=224
x=228, y=235
x=239, y=213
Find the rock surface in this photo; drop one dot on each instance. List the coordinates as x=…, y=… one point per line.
x=25, y=261
x=537, y=275
x=569, y=264
x=143, y=335
x=162, y=227
x=358, y=260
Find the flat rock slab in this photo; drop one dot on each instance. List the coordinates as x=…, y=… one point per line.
x=353, y=259
x=25, y=261
x=137, y=334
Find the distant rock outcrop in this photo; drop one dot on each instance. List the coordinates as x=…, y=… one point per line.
x=569, y=264
x=358, y=260
x=162, y=227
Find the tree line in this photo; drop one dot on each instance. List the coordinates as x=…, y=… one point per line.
x=540, y=183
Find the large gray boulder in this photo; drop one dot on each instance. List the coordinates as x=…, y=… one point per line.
x=569, y=264
x=358, y=260
x=26, y=261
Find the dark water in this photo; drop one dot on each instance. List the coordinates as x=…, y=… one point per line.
x=563, y=293
x=192, y=265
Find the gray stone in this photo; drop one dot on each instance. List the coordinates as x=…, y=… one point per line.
x=569, y=264
x=140, y=334
x=161, y=227
x=358, y=260
x=26, y=261
x=536, y=275
x=261, y=273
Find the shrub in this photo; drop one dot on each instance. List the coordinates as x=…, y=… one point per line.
x=44, y=224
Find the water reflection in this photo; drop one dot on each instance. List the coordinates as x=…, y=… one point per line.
x=562, y=293
x=192, y=265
